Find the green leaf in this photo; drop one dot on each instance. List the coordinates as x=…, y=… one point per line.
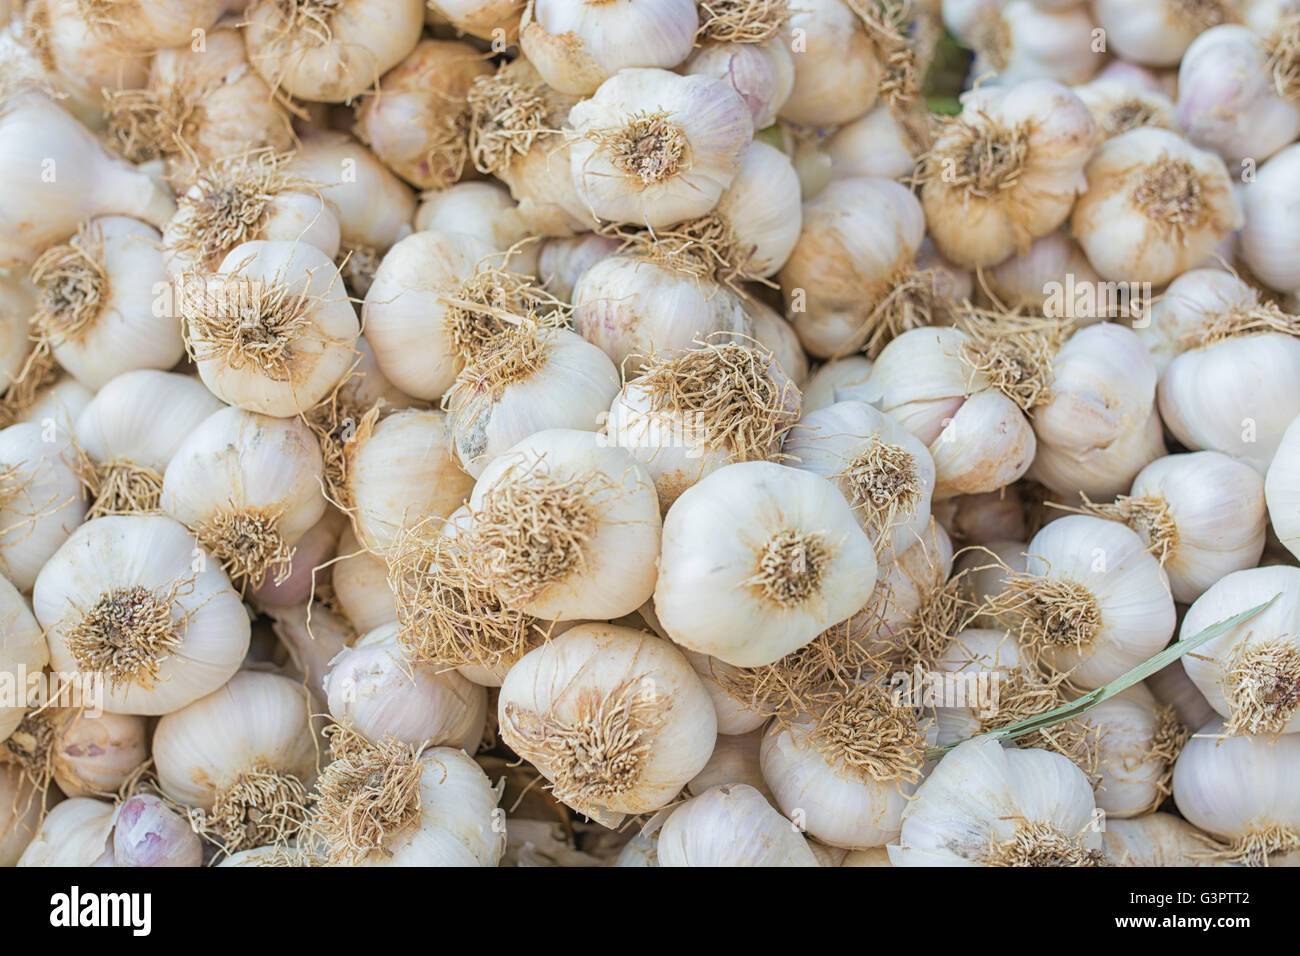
x=1077, y=708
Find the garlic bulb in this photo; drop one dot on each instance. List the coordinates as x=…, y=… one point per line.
x=77, y=832
x=735, y=758
x=1172, y=686
x=41, y=499
x=133, y=600
x=1138, y=741
x=1282, y=487
x=587, y=548
x=150, y=26
x=1006, y=171
x=1269, y=239
x=360, y=582
x=58, y=405
x=329, y=52
x=614, y=718
x=686, y=414
x=1155, y=207
x=94, y=756
x=1192, y=304
x=1155, y=839
x=1229, y=100
x=561, y=262
x=313, y=635
x=762, y=73
x=850, y=280
x=986, y=806
x=130, y=431
x=1118, y=106
x=876, y=144
x=486, y=19
x=820, y=389
x=241, y=759
x=249, y=487
x=533, y=379
x=21, y=812
x=417, y=122
x=22, y=651
x=883, y=470
x=837, y=66
x=484, y=210
x=401, y=471
x=1022, y=40
x=1158, y=32
x=1038, y=280
x=577, y=46
x=629, y=304
x=757, y=560
x=731, y=825
x=775, y=334
x=60, y=176
x=1245, y=791
x=655, y=148
x=1092, y=603
x=272, y=331
x=1249, y=674
x=146, y=832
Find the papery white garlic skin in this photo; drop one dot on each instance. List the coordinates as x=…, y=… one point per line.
x=75, y=833
x=819, y=391
x=1030, y=279
x=42, y=502
x=837, y=70
x=1270, y=239
x=484, y=210
x=762, y=73
x=94, y=756
x=734, y=717
x=1282, y=488
x=1154, y=839
x=1126, y=727
x=731, y=825
x=1156, y=32
x=312, y=635
x=872, y=145
x=1173, y=687
x=762, y=210
x=1020, y=40
x=60, y=404
x=1190, y=304
x=306, y=570
x=360, y=583
x=735, y=759
x=146, y=832
x=22, y=650
x=1118, y=106
x=562, y=262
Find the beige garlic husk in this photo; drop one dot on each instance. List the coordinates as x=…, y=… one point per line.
x=1006, y=171
x=838, y=67
x=142, y=26
x=1118, y=106
x=1092, y=603
x=1097, y=424
x=129, y=432
x=22, y=651
x=1269, y=238
x=418, y=120
x=22, y=809
x=393, y=805
x=1042, y=278
x=654, y=148
x=95, y=755
x=762, y=73
x=312, y=635
x=374, y=689
x=758, y=558
x=146, y=832
x=327, y=51
x=616, y=719
x=248, y=785
x=249, y=486
x=1155, y=839
x=1158, y=32
x=496, y=20
x=272, y=330
x=41, y=499
x=731, y=825
x=532, y=379
x=485, y=210
x=561, y=262
x=1202, y=514
x=1234, y=98
x=360, y=583
x=1155, y=207
x=633, y=306
x=400, y=471
x=136, y=602
x=77, y=832
x=1021, y=40
x=1244, y=791
x=97, y=301
x=1251, y=674
x=773, y=332
x=876, y=144
x=821, y=388
x=735, y=759
x=577, y=46
x=883, y=470
x=851, y=280
x=253, y=195
x=60, y=176
x=988, y=806
x=978, y=436
x=592, y=530
x=687, y=414
x=202, y=103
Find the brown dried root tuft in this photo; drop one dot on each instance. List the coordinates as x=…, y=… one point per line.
x=882, y=481
x=127, y=634
x=39, y=370
x=341, y=422
x=248, y=545
x=1284, y=56
x=1260, y=845
x=516, y=354
x=1014, y=352
x=981, y=158
x=944, y=613
x=702, y=248
x=493, y=302
x=262, y=807
x=509, y=114
x=243, y=322
x=790, y=567
x=1167, y=743
x=1040, y=844
x=1232, y=323
x=741, y=21
x=365, y=795
x=1203, y=14
x=149, y=124
x=118, y=487
x=31, y=748
x=597, y=756
x=1134, y=113
x=1046, y=612
x=1149, y=516
x=887, y=22
x=1170, y=196
x=1262, y=686
x=1026, y=692
x=73, y=286
x=865, y=730
x=913, y=301
x=648, y=147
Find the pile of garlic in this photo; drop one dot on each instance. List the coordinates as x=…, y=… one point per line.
x=651, y=433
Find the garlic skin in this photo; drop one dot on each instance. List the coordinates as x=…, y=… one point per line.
x=735, y=718
x=859, y=240
x=329, y=53
x=186, y=626
x=1172, y=686
x=16, y=306
x=731, y=825
x=837, y=70
x=577, y=46
x=981, y=212
x=146, y=832
x=1118, y=106
x=149, y=26
x=874, y=145
x=39, y=140
x=21, y=812
x=775, y=334
x=1270, y=240
x=983, y=805
x=401, y=472
x=1022, y=40
x=697, y=128
x=1191, y=304
x=758, y=559
x=77, y=832
x=373, y=689
x=1244, y=790
x=552, y=379
x=1155, y=207
x=761, y=211
x=360, y=582
x=1246, y=674
x=485, y=19
x=762, y=73
x=22, y=650
x=561, y=262
x=1027, y=280
x=303, y=314
x=41, y=502
x=94, y=756
x=1282, y=488
x=1158, y=32
x=735, y=758
x=1154, y=839
x=1227, y=101
x=60, y=404
x=1133, y=755
x=313, y=635
x=568, y=480
x=306, y=568
x=484, y=210
x=820, y=389
x=615, y=718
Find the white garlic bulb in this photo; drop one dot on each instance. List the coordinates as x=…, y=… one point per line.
x=311, y=555
x=485, y=210
x=135, y=601
x=1194, y=302
x=77, y=832
x=41, y=499
x=360, y=582
x=735, y=757
x=731, y=825
x=1155, y=839
x=1040, y=278
x=95, y=756
x=1269, y=239
x=1119, y=106
x=837, y=67
x=1021, y=40
x=312, y=635
x=146, y=832
x=1172, y=686
x=762, y=73
x=821, y=387
x=876, y=144
x=22, y=650
x=1137, y=744
x=1158, y=32
x=774, y=333
x=561, y=262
